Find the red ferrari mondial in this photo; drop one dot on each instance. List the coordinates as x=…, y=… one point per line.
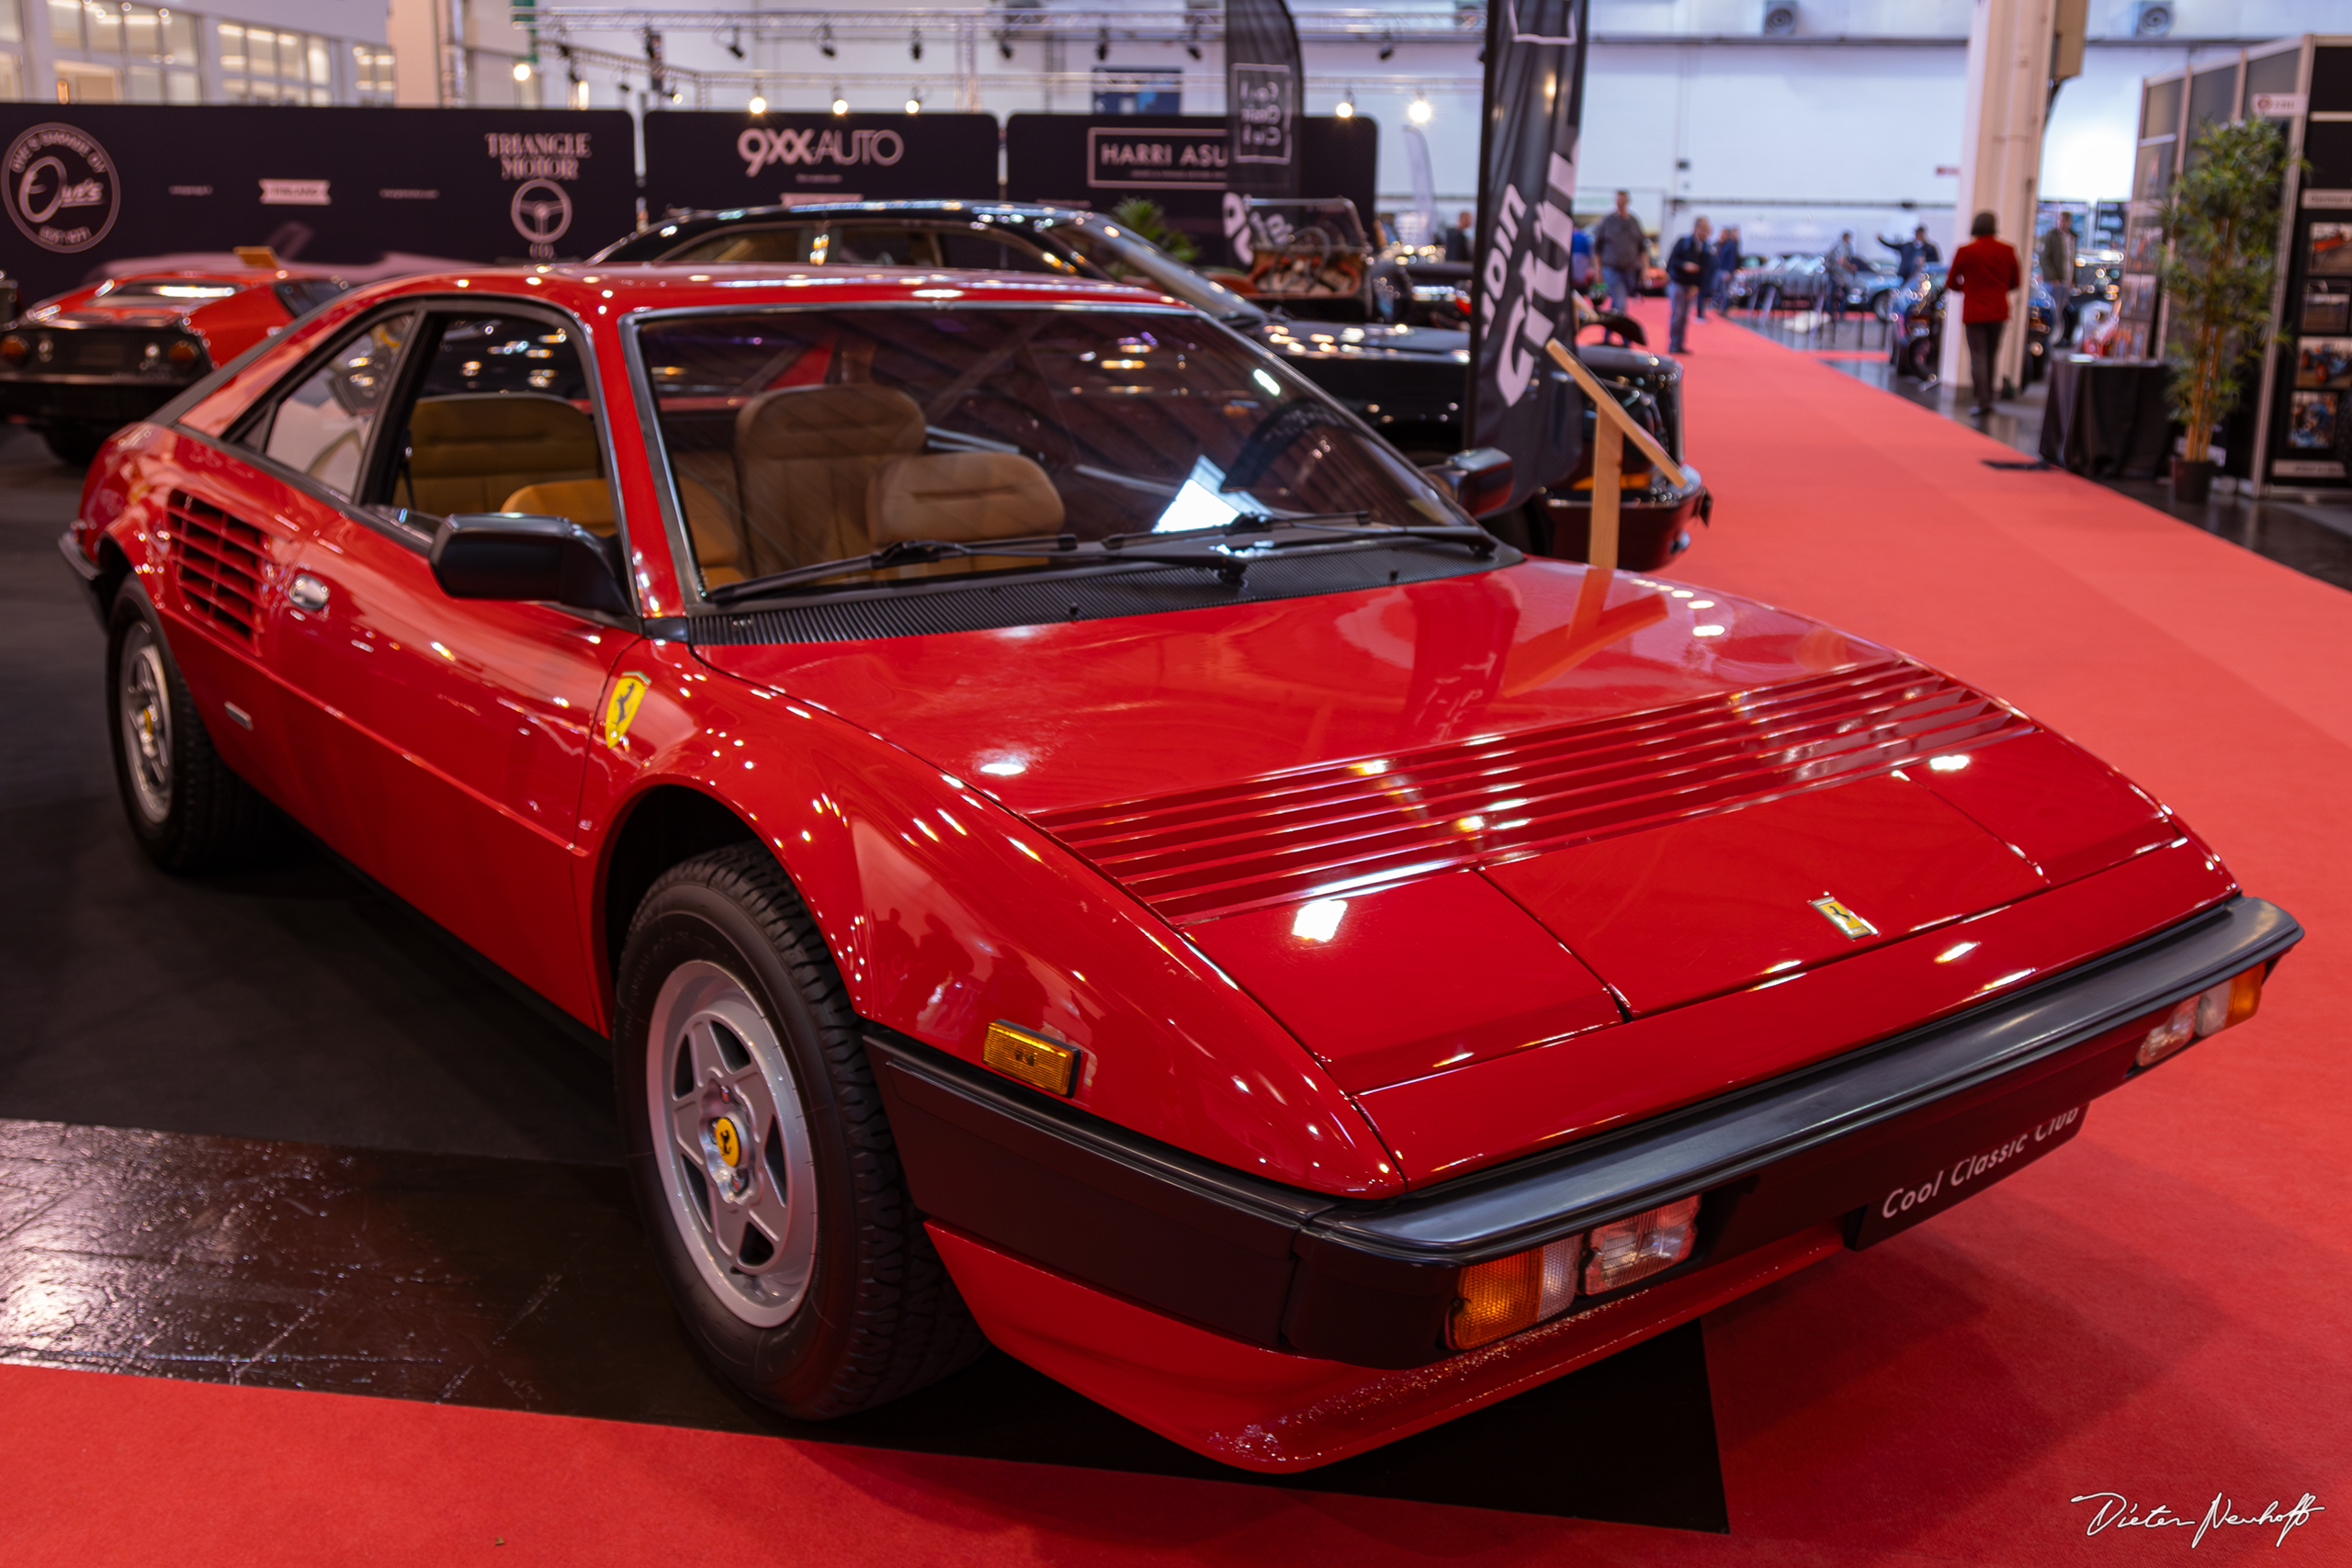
x=1075, y=842
x=79, y=366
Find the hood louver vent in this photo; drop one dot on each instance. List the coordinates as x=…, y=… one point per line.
x=219, y=561
x=1319, y=830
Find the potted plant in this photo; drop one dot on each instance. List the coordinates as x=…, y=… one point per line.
x=2222, y=221
x=1145, y=218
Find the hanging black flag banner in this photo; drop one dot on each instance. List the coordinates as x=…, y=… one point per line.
x=1534, y=107
x=1262, y=83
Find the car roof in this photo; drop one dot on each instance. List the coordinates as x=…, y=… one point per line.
x=683, y=222
x=590, y=291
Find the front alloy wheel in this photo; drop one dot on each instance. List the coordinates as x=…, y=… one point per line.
x=737, y=1169
x=143, y=705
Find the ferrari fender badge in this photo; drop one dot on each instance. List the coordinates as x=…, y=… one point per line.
x=1845, y=920
x=620, y=708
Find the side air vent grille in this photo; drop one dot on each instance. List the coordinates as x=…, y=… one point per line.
x=1323, y=829
x=218, y=560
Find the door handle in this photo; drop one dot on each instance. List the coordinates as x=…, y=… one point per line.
x=306, y=593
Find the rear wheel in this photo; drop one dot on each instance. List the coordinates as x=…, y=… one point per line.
x=76, y=442
x=186, y=809
x=759, y=1151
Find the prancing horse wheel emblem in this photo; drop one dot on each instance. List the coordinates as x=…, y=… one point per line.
x=1845, y=920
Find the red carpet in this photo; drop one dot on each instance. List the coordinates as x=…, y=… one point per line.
x=2162, y=1310
x=2158, y=1311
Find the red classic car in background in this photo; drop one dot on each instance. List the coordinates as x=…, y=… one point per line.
x=1074, y=840
x=79, y=366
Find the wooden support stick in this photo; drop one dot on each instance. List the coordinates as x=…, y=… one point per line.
x=1608, y=464
x=1612, y=412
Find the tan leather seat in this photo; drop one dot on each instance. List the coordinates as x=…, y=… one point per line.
x=808, y=457
x=589, y=503
x=470, y=451
x=963, y=497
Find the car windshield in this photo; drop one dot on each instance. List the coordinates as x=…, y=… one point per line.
x=178, y=291
x=797, y=437
x=1121, y=254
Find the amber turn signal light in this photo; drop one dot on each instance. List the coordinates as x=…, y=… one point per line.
x=1501, y=1297
x=182, y=353
x=2210, y=1012
x=13, y=349
x=1031, y=1058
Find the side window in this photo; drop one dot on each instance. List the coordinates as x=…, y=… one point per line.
x=882, y=244
x=502, y=419
x=320, y=425
x=788, y=243
x=995, y=251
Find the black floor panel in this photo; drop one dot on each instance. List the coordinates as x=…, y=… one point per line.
x=275, y=1129
x=526, y=1285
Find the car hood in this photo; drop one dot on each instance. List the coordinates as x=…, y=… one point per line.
x=1436, y=823
x=1371, y=340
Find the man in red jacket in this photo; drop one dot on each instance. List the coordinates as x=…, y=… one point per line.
x=1985, y=274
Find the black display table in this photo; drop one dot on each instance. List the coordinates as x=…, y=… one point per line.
x=2107, y=417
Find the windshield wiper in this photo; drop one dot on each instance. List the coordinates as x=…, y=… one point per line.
x=1061, y=548
x=1354, y=524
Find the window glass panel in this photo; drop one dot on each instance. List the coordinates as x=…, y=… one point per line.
x=105, y=29
x=146, y=85
x=232, y=49
x=141, y=36
x=322, y=97
x=320, y=428
x=322, y=67
x=179, y=86
x=179, y=36
x=65, y=23
x=9, y=31
x=503, y=421
x=9, y=77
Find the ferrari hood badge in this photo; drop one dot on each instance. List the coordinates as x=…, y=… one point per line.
x=620, y=708
x=1845, y=920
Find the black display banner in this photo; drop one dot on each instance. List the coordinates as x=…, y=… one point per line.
x=94, y=190
x=1262, y=81
x=701, y=160
x=1534, y=108
x=1178, y=162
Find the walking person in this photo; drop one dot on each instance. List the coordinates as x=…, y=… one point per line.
x=1623, y=249
x=1727, y=268
x=1458, y=240
x=1687, y=266
x=1838, y=280
x=1985, y=273
x=2058, y=253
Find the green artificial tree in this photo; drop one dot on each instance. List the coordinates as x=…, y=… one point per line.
x=1143, y=217
x=2221, y=221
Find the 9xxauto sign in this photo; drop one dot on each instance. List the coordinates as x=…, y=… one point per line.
x=62, y=189
x=758, y=147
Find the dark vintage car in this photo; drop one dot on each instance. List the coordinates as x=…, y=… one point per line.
x=1916, y=346
x=1407, y=382
x=1074, y=845
x=80, y=366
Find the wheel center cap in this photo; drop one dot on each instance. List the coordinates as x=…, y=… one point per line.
x=726, y=1151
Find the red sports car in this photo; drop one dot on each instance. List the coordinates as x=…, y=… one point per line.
x=1076, y=842
x=79, y=366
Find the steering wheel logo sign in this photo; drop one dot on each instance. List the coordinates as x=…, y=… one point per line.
x=63, y=190
x=542, y=212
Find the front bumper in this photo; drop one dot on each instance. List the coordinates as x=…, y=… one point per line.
x=1784, y=1168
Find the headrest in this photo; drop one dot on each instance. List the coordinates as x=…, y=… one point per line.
x=856, y=419
x=497, y=432
x=961, y=496
x=588, y=503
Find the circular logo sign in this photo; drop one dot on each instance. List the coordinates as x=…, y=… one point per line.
x=61, y=188
x=541, y=210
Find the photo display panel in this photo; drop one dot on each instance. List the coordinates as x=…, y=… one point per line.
x=98, y=189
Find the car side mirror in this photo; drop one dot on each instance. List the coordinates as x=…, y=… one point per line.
x=1478, y=480
x=516, y=554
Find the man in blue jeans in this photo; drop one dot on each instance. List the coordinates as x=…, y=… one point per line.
x=1622, y=247
x=1686, y=266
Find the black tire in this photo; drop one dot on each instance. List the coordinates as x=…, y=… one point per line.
x=877, y=1316
x=75, y=443
x=186, y=809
